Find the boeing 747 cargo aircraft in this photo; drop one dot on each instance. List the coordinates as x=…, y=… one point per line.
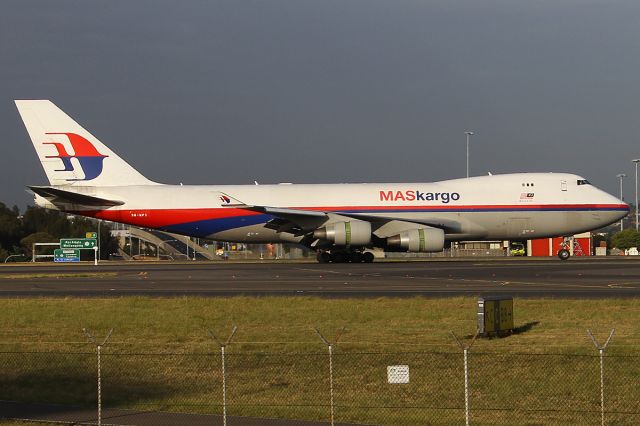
x=339, y=221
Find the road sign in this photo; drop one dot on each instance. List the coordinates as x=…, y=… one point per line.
x=93, y=235
x=78, y=243
x=66, y=255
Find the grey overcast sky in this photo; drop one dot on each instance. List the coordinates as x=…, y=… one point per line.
x=329, y=91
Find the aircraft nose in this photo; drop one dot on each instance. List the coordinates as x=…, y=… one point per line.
x=620, y=209
x=625, y=211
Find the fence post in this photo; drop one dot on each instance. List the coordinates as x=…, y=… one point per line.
x=601, y=349
x=330, y=346
x=465, y=351
x=98, y=351
x=224, y=373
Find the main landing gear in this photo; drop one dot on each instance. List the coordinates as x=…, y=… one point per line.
x=345, y=257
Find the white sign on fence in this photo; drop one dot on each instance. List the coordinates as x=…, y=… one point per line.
x=398, y=374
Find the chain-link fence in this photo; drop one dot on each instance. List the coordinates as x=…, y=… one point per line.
x=354, y=388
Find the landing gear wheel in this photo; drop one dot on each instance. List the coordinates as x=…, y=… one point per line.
x=367, y=257
x=564, y=254
x=323, y=257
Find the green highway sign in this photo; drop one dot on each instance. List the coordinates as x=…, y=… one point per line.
x=78, y=243
x=66, y=255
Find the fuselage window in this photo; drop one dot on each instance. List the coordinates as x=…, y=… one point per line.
x=583, y=182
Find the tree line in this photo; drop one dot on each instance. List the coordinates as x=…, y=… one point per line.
x=19, y=231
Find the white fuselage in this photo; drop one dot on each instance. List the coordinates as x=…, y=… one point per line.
x=510, y=206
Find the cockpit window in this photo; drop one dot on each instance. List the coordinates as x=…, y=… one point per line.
x=583, y=182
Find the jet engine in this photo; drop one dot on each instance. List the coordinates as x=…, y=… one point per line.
x=352, y=233
x=418, y=240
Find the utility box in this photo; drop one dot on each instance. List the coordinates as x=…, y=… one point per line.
x=495, y=314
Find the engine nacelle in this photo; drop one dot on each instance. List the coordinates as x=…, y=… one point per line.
x=418, y=240
x=352, y=233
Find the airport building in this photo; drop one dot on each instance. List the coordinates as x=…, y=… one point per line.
x=550, y=246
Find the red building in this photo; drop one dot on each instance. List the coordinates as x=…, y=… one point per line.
x=550, y=246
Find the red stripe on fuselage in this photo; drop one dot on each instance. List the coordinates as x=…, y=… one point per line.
x=159, y=218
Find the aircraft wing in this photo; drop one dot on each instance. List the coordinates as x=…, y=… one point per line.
x=61, y=196
x=294, y=221
x=300, y=222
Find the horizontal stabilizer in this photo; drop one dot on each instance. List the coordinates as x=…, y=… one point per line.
x=60, y=196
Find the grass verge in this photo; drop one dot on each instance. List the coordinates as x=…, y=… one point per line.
x=161, y=357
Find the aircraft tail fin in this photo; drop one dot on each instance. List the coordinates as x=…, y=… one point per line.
x=69, y=154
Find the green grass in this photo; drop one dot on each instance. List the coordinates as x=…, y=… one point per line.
x=160, y=356
x=285, y=324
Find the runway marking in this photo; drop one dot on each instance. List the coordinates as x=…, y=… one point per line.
x=554, y=262
x=351, y=274
x=527, y=283
x=622, y=285
x=57, y=275
x=322, y=271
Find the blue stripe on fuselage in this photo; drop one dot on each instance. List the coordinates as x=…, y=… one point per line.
x=204, y=228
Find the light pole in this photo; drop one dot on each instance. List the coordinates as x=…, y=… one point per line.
x=99, y=223
x=469, y=134
x=621, y=176
x=130, y=243
x=186, y=242
x=636, y=161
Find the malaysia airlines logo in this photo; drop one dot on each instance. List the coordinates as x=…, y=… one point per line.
x=91, y=161
x=527, y=197
x=225, y=199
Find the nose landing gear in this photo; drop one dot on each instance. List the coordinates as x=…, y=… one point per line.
x=564, y=254
x=567, y=244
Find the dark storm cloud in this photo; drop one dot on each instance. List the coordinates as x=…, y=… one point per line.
x=328, y=91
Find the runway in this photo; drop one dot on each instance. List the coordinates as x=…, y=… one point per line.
x=601, y=277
